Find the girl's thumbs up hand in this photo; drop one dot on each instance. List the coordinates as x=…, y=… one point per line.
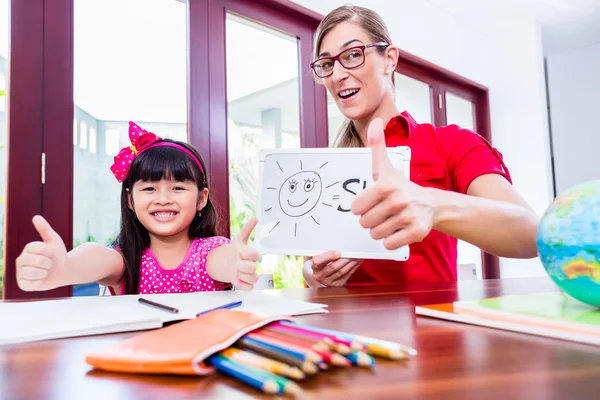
x=245, y=264
x=42, y=264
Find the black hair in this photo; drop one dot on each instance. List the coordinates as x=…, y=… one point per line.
x=152, y=165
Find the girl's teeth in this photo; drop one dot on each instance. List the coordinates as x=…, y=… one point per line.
x=164, y=215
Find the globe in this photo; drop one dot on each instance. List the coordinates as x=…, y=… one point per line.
x=568, y=241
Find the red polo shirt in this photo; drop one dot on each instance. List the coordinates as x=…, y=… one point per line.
x=447, y=158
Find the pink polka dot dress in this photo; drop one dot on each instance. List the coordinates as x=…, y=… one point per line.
x=189, y=276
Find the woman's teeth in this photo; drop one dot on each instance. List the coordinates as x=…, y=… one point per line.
x=347, y=93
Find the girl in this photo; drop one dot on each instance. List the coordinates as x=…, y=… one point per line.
x=168, y=241
x=459, y=186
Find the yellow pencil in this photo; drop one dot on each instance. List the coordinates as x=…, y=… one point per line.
x=380, y=351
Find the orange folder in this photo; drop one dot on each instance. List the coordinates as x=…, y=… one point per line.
x=180, y=348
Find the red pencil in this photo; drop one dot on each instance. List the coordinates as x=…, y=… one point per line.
x=322, y=336
x=327, y=356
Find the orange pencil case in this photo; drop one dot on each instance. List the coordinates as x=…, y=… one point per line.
x=180, y=348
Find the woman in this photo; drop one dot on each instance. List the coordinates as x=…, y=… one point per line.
x=459, y=186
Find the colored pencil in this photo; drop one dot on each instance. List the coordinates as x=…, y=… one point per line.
x=285, y=384
x=317, y=344
x=361, y=359
x=301, y=352
x=281, y=335
x=231, y=305
x=326, y=337
x=385, y=352
x=310, y=337
x=257, y=361
x=270, y=352
x=326, y=355
x=248, y=375
x=364, y=342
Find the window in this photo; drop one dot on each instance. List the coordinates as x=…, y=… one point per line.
x=276, y=108
x=92, y=141
x=112, y=142
x=155, y=46
x=432, y=94
x=259, y=118
x=75, y=131
x=83, y=139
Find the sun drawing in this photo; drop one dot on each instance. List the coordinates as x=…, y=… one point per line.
x=300, y=193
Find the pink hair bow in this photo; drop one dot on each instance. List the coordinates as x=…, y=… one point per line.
x=141, y=140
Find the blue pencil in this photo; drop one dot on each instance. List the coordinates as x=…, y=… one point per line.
x=360, y=358
x=231, y=305
x=245, y=374
x=289, y=352
x=266, y=351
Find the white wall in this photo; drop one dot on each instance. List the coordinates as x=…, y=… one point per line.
x=573, y=85
x=479, y=46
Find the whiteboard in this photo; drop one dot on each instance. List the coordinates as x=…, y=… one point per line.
x=304, y=200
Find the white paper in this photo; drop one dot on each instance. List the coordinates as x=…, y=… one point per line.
x=80, y=316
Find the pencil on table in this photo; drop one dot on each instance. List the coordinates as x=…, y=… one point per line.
x=316, y=343
x=245, y=374
x=313, y=337
x=361, y=359
x=270, y=352
x=285, y=384
x=330, y=338
x=333, y=358
x=362, y=342
x=321, y=351
x=298, y=351
x=325, y=354
x=384, y=352
x=257, y=361
x=392, y=346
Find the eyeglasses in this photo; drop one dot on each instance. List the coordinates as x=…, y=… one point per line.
x=350, y=58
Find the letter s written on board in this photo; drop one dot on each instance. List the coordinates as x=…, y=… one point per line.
x=348, y=186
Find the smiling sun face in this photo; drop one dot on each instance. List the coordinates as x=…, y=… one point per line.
x=300, y=193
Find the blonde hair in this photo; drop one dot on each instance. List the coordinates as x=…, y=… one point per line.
x=371, y=22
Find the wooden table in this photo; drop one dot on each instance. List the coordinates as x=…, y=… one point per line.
x=455, y=361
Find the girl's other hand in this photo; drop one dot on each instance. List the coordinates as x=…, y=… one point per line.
x=245, y=265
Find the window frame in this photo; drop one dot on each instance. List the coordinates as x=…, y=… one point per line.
x=287, y=17
x=40, y=109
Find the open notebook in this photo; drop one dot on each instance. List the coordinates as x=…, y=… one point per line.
x=81, y=316
x=553, y=314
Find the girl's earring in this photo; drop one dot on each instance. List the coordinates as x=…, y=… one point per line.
x=199, y=213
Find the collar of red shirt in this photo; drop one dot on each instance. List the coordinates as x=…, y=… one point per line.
x=402, y=124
